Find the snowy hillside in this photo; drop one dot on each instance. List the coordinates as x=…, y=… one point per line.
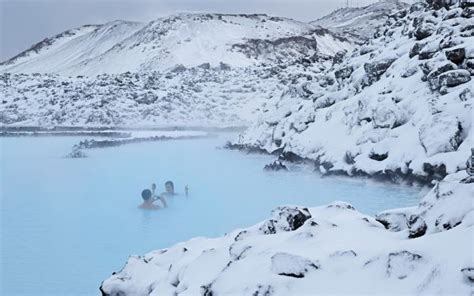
x=397, y=108
x=360, y=22
x=184, y=39
x=300, y=251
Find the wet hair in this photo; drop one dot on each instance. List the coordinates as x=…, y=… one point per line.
x=170, y=183
x=146, y=194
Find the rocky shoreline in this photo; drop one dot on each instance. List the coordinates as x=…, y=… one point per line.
x=433, y=173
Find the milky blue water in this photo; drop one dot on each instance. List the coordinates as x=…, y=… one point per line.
x=67, y=224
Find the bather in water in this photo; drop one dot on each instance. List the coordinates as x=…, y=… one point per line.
x=148, y=201
x=169, y=190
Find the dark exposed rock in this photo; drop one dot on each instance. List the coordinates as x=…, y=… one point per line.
x=241, y=235
x=423, y=30
x=469, y=66
x=435, y=172
x=349, y=158
x=253, y=48
x=206, y=290
x=375, y=70
x=448, y=42
x=224, y=66
x=454, y=77
x=456, y=55
x=433, y=76
x=339, y=57
x=417, y=226
x=467, y=12
x=344, y=73
x=426, y=54
x=268, y=227
x=291, y=218
x=263, y=290
x=378, y=157
x=275, y=166
x=468, y=273
x=205, y=66
x=415, y=50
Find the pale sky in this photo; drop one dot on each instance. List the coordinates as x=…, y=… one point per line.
x=26, y=22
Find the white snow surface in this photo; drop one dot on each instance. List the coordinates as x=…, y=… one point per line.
x=183, y=39
x=337, y=251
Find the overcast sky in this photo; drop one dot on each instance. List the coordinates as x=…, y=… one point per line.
x=25, y=22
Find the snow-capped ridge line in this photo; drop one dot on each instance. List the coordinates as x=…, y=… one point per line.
x=189, y=39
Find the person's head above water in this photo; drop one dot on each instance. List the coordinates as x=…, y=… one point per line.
x=169, y=186
x=146, y=194
x=153, y=186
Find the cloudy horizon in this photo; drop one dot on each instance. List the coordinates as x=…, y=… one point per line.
x=26, y=22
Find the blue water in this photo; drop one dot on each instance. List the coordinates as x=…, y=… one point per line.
x=67, y=224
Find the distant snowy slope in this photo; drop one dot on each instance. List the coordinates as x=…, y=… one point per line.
x=71, y=47
x=360, y=22
x=187, y=39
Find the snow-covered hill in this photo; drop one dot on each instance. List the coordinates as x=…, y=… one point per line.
x=400, y=107
x=360, y=22
x=183, y=39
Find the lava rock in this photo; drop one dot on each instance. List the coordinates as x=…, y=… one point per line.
x=456, y=55
x=467, y=12
x=454, y=77
x=339, y=57
x=426, y=54
x=469, y=66
x=285, y=218
x=433, y=76
x=423, y=31
x=375, y=70
x=415, y=50
x=468, y=273
x=344, y=73
x=417, y=226
x=275, y=166
x=378, y=157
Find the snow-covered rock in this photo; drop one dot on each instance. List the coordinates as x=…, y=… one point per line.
x=329, y=245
